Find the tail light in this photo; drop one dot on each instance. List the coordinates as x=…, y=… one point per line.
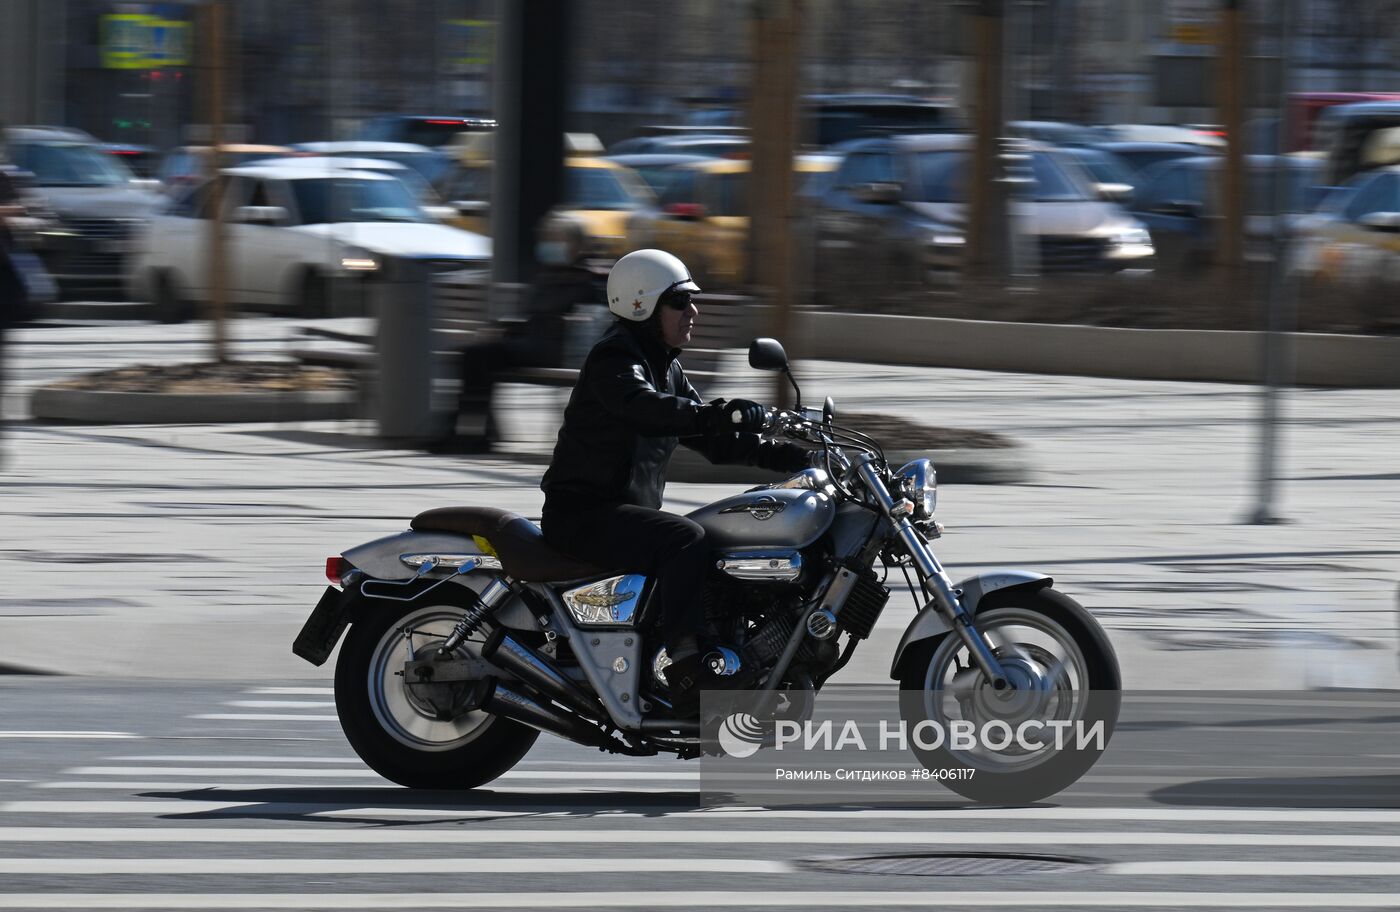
x=337, y=568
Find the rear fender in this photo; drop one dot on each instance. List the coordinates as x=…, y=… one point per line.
x=929, y=624
x=382, y=558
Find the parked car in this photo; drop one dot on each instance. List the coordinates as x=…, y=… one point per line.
x=422, y=191
x=297, y=239
x=1054, y=132
x=434, y=131
x=1109, y=176
x=894, y=215
x=704, y=218
x=1179, y=201
x=429, y=162
x=1200, y=135
x=657, y=169
x=142, y=160
x=184, y=167
x=98, y=202
x=599, y=193
x=708, y=144
x=1139, y=156
x=1352, y=241
x=1345, y=133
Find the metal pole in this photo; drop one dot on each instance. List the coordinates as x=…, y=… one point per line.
x=1280, y=305
x=218, y=264
x=986, y=233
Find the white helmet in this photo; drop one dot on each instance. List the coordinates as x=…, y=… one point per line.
x=639, y=279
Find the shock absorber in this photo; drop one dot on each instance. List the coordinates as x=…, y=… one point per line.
x=475, y=615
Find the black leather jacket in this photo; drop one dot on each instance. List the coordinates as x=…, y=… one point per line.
x=631, y=406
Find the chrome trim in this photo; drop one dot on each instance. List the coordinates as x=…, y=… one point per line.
x=452, y=561
x=607, y=603
x=821, y=624
x=923, y=481
x=762, y=565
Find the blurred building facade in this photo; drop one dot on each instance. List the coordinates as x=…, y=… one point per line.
x=128, y=71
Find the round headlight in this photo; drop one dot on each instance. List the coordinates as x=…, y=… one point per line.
x=922, y=481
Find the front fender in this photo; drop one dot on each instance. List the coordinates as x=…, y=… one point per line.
x=928, y=623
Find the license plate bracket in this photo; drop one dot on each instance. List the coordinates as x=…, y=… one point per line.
x=323, y=628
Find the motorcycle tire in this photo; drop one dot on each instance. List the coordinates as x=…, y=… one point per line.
x=488, y=751
x=1103, y=699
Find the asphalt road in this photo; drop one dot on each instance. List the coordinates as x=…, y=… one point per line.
x=191, y=554
x=138, y=795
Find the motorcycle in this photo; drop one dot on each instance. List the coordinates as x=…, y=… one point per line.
x=469, y=636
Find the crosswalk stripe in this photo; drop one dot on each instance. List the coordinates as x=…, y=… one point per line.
x=264, y=717
x=299, y=773
x=932, y=816
x=652, y=899
x=1259, y=869
x=586, y=865
x=68, y=734
x=233, y=758
x=280, y=704
x=727, y=836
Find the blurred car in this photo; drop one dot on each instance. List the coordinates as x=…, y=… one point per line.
x=142, y=160
x=1353, y=239
x=599, y=193
x=657, y=169
x=186, y=166
x=1139, y=156
x=708, y=144
x=894, y=216
x=422, y=191
x=98, y=202
x=1053, y=132
x=430, y=130
x=1179, y=201
x=431, y=163
x=297, y=238
x=1199, y=135
x=704, y=218
x=1345, y=133
x=1110, y=178
x=828, y=120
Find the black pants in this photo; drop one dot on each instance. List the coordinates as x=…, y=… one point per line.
x=668, y=548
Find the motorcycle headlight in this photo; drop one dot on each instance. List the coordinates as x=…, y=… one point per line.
x=921, y=483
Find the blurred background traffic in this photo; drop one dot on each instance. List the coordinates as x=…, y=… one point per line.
x=1120, y=162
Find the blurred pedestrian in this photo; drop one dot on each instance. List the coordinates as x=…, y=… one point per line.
x=536, y=339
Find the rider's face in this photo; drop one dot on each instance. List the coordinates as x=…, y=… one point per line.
x=677, y=324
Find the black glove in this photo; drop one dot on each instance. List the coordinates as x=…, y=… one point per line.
x=742, y=416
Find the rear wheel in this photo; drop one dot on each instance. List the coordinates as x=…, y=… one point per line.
x=393, y=727
x=1065, y=675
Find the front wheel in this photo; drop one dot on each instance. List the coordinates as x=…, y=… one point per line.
x=395, y=729
x=1059, y=715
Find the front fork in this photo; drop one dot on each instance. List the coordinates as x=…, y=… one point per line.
x=945, y=596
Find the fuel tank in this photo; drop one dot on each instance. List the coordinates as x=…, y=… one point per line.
x=774, y=518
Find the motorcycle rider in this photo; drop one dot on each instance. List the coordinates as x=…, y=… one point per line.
x=630, y=407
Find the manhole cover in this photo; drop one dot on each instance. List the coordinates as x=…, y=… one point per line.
x=945, y=864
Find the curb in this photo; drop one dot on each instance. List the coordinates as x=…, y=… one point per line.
x=98, y=310
x=1229, y=356
x=1006, y=465
x=100, y=407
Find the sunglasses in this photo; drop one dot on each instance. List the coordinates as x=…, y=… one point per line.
x=677, y=300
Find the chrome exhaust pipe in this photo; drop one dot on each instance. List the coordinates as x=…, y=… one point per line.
x=521, y=707
x=509, y=654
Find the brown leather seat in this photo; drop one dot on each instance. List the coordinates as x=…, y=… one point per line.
x=518, y=542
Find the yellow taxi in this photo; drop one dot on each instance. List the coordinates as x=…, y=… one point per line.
x=704, y=217
x=601, y=195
